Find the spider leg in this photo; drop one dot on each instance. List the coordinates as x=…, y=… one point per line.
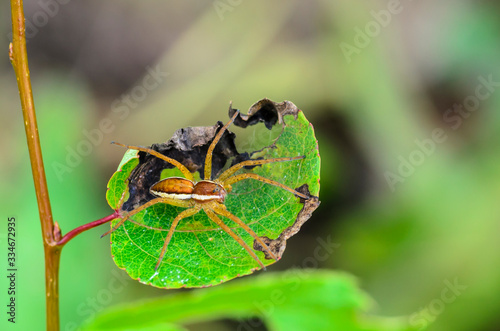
x=237, y=178
x=208, y=159
x=229, y=172
x=221, y=210
x=183, y=214
x=240, y=241
x=170, y=201
x=175, y=163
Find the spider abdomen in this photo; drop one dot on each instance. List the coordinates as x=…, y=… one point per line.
x=184, y=189
x=174, y=187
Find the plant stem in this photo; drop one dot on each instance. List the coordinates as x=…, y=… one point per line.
x=19, y=58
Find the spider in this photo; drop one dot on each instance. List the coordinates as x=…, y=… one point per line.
x=207, y=194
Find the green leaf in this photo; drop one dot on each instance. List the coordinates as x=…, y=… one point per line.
x=303, y=299
x=117, y=185
x=201, y=254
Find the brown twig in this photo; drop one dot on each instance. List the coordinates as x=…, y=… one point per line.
x=19, y=59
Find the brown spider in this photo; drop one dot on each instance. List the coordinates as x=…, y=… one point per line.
x=207, y=194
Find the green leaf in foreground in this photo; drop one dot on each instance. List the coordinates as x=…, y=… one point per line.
x=200, y=253
x=293, y=300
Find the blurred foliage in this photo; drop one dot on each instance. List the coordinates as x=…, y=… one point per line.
x=295, y=300
x=438, y=227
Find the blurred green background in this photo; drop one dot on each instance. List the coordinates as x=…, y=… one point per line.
x=402, y=96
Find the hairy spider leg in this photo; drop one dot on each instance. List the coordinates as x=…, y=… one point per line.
x=170, y=201
x=175, y=163
x=221, y=210
x=213, y=216
x=229, y=172
x=183, y=214
x=236, y=178
x=208, y=158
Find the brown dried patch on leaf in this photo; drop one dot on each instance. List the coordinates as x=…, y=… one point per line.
x=278, y=245
x=266, y=111
x=270, y=113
